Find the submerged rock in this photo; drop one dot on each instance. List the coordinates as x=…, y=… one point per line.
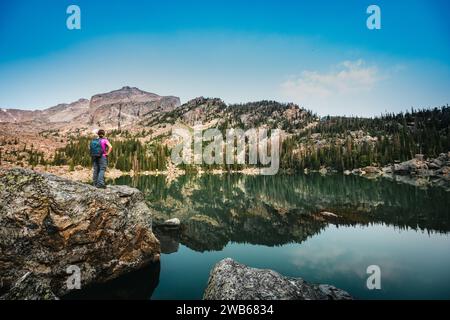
x=171, y=223
x=230, y=280
x=329, y=214
x=48, y=224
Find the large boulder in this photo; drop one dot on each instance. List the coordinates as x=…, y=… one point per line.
x=48, y=224
x=230, y=280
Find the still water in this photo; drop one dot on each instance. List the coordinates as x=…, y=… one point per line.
x=276, y=222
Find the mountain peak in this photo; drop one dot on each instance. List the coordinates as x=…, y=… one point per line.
x=128, y=88
x=127, y=105
x=128, y=94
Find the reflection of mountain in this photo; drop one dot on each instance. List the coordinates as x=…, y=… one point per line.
x=201, y=234
x=280, y=209
x=136, y=285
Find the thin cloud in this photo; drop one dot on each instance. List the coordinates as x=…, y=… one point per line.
x=347, y=78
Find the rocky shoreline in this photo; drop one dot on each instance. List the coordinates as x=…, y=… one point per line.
x=419, y=172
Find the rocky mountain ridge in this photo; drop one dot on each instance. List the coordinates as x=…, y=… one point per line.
x=111, y=110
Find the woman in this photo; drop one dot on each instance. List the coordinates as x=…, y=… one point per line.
x=100, y=149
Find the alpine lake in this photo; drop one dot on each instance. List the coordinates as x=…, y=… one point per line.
x=324, y=229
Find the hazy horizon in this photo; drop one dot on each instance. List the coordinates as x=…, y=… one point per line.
x=243, y=102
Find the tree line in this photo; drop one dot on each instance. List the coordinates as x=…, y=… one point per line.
x=385, y=140
x=341, y=143
x=129, y=154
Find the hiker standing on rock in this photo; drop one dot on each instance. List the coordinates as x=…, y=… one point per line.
x=100, y=148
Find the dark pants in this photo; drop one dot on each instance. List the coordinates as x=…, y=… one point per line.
x=100, y=165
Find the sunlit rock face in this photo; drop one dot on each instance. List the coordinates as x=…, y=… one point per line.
x=49, y=223
x=127, y=105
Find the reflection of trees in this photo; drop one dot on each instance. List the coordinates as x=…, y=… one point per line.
x=274, y=210
x=362, y=200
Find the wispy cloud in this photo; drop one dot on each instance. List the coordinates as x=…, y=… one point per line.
x=347, y=78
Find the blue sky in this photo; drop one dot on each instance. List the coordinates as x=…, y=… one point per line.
x=318, y=54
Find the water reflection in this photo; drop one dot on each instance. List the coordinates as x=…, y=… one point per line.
x=276, y=210
x=137, y=285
